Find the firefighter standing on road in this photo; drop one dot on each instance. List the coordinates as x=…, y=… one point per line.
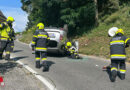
x=118, y=55
x=39, y=43
x=5, y=37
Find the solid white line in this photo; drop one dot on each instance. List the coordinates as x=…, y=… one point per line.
x=42, y=79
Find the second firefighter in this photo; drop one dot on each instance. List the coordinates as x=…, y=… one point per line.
x=39, y=44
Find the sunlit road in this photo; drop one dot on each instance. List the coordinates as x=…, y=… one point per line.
x=68, y=74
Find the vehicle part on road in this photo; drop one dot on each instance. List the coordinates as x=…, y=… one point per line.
x=104, y=68
x=112, y=31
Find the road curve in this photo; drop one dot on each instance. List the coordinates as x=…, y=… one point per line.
x=68, y=74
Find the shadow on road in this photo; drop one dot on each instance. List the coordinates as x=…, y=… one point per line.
x=55, y=55
x=6, y=67
x=15, y=51
x=18, y=58
x=49, y=63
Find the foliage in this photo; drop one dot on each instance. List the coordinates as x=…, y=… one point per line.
x=78, y=14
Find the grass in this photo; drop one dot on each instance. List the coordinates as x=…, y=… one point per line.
x=27, y=35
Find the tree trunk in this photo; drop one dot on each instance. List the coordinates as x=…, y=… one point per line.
x=96, y=12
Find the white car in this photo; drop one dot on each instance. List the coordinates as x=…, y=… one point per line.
x=58, y=37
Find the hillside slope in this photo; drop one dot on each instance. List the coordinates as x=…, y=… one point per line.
x=96, y=42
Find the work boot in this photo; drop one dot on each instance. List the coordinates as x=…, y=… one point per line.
x=37, y=64
x=45, y=66
x=7, y=57
x=1, y=57
x=113, y=75
x=122, y=76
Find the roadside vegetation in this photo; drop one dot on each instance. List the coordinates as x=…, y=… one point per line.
x=96, y=42
x=91, y=31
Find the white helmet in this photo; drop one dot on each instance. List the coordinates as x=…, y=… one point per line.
x=112, y=31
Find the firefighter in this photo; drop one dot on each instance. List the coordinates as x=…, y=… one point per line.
x=118, y=55
x=5, y=37
x=72, y=51
x=39, y=44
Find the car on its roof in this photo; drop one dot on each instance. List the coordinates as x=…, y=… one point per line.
x=58, y=37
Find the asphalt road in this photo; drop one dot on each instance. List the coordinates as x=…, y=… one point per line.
x=71, y=74
x=18, y=78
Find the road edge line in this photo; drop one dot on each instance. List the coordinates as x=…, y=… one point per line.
x=41, y=78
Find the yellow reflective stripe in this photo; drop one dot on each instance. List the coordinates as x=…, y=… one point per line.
x=127, y=40
x=37, y=58
x=121, y=70
x=33, y=42
x=7, y=52
x=44, y=59
x=113, y=68
x=12, y=46
x=34, y=36
x=41, y=48
x=117, y=41
x=42, y=35
x=48, y=38
x=0, y=26
x=118, y=55
x=4, y=38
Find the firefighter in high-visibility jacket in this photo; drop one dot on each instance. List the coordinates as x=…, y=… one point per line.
x=5, y=37
x=118, y=55
x=39, y=44
x=72, y=51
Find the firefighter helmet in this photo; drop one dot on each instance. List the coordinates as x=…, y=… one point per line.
x=120, y=31
x=40, y=26
x=10, y=19
x=68, y=44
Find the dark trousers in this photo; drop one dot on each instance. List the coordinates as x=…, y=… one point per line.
x=12, y=46
x=5, y=46
x=118, y=64
x=40, y=55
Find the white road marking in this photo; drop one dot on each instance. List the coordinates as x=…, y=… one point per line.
x=41, y=78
